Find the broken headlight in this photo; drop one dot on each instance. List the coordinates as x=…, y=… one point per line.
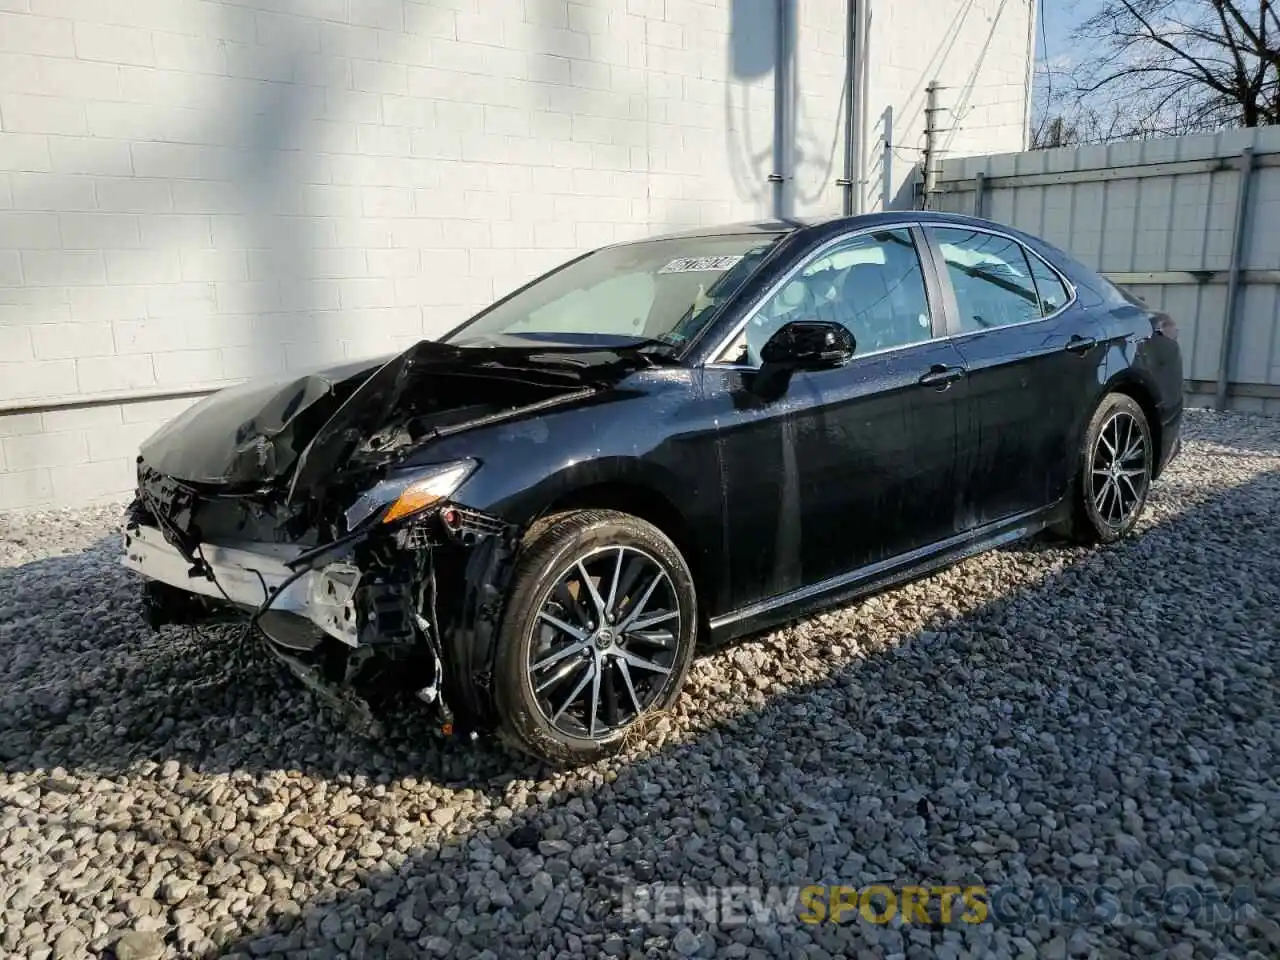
x=410, y=492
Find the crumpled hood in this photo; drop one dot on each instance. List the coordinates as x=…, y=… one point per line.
x=254, y=432
x=304, y=427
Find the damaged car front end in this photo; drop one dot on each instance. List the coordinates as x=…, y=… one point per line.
x=449, y=525
x=303, y=507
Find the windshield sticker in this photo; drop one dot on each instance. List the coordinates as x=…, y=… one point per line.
x=696, y=264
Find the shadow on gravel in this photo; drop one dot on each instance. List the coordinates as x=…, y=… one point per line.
x=890, y=774
x=84, y=683
x=78, y=690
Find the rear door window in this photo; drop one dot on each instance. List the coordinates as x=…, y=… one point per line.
x=991, y=278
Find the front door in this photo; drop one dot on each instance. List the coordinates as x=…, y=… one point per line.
x=845, y=467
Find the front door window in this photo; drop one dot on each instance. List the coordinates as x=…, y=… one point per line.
x=871, y=283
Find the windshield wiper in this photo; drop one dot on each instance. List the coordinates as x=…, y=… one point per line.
x=666, y=347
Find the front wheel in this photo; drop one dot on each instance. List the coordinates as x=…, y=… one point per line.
x=598, y=635
x=1116, y=465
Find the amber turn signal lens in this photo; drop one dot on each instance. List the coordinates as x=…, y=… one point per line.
x=411, y=501
x=421, y=494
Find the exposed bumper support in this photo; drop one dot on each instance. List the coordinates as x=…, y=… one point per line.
x=246, y=574
x=417, y=611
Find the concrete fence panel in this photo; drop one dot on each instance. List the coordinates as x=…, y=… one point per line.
x=1190, y=224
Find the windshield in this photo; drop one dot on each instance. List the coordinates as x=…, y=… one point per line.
x=653, y=290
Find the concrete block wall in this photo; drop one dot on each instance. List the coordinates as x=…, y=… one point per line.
x=193, y=192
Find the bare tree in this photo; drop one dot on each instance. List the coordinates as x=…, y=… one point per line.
x=1168, y=67
x=1064, y=120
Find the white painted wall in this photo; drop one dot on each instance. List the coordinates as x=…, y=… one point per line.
x=979, y=52
x=193, y=192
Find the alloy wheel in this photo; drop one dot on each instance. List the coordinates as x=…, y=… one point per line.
x=604, y=642
x=1120, y=470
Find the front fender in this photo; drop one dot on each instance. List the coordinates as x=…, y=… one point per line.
x=566, y=483
x=480, y=582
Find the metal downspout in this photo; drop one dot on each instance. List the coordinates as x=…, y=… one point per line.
x=864, y=84
x=782, y=81
x=851, y=60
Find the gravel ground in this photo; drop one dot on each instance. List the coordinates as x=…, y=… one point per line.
x=1043, y=714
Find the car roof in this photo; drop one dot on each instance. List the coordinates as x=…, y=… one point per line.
x=824, y=224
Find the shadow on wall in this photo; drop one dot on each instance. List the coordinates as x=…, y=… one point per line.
x=230, y=184
x=902, y=127
x=961, y=106
x=811, y=161
x=890, y=164
x=270, y=185
x=749, y=113
x=98, y=696
x=279, y=184
x=249, y=197
x=753, y=54
x=909, y=118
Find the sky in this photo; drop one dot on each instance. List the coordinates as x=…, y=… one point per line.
x=1059, y=18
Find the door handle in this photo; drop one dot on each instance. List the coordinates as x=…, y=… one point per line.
x=1079, y=344
x=942, y=376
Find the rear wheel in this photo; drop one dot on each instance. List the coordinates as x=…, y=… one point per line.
x=1116, y=464
x=598, y=635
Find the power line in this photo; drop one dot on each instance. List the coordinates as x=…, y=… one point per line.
x=1044, y=42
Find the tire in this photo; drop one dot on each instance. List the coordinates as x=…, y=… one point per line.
x=553, y=646
x=1098, y=516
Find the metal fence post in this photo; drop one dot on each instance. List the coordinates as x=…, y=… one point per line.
x=1239, y=240
x=979, y=190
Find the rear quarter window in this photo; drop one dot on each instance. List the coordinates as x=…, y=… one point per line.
x=1053, y=293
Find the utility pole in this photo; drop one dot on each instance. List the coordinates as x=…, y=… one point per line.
x=932, y=151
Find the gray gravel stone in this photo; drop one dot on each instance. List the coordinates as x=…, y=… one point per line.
x=69, y=943
x=1043, y=715
x=438, y=946
x=139, y=946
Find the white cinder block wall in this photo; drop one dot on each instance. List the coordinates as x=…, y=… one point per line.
x=193, y=192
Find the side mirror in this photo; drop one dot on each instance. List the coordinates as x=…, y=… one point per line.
x=809, y=345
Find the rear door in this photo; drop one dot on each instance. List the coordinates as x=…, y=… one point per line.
x=848, y=466
x=1032, y=370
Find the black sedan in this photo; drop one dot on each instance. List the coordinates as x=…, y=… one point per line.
x=528, y=523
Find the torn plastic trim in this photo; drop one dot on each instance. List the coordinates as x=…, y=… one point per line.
x=247, y=574
x=331, y=601
x=446, y=572
x=341, y=697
